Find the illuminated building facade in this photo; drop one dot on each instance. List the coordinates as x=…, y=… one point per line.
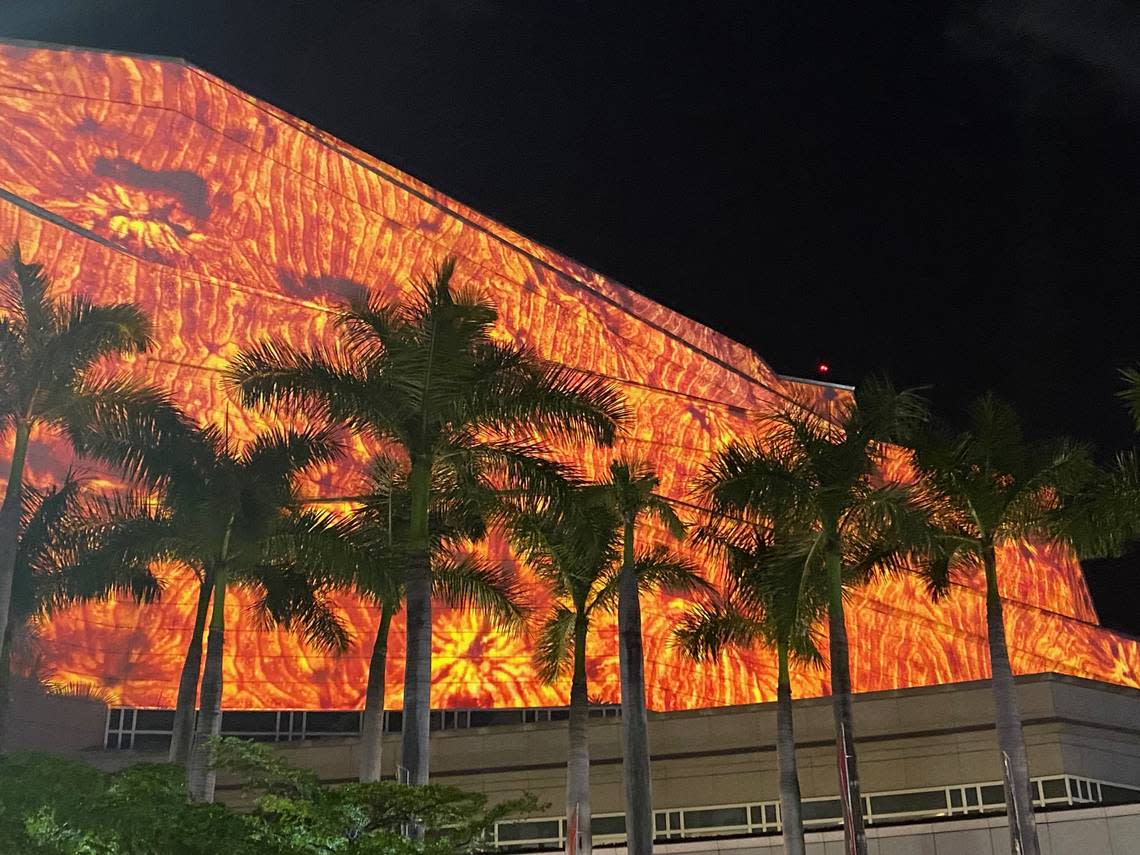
x=144, y=179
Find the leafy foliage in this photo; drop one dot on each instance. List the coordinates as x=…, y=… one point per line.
x=54, y=806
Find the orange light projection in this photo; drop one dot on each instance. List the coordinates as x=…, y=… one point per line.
x=149, y=180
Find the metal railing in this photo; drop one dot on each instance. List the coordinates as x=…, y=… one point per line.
x=759, y=818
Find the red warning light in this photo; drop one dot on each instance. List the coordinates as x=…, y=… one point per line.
x=822, y=368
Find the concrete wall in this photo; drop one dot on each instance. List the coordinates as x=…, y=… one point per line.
x=916, y=738
x=39, y=722
x=1085, y=831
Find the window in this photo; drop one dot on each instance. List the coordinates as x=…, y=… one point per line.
x=716, y=818
x=154, y=720
x=249, y=722
x=927, y=801
x=543, y=829
x=994, y=794
x=1054, y=788
x=332, y=722
x=821, y=809
x=608, y=824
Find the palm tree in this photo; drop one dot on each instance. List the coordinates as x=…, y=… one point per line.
x=577, y=551
x=230, y=515
x=48, y=349
x=992, y=487
x=429, y=377
x=630, y=490
x=818, y=484
x=60, y=531
x=367, y=554
x=765, y=601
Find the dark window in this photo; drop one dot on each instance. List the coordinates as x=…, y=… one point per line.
x=395, y=722
x=1111, y=795
x=155, y=720
x=1053, y=788
x=829, y=809
x=756, y=814
x=151, y=742
x=994, y=794
x=770, y=813
x=715, y=817
x=116, y=717
x=972, y=796
x=489, y=718
x=332, y=722
x=249, y=722
x=929, y=800
x=559, y=715
x=608, y=825
x=660, y=822
x=540, y=830
x=956, y=798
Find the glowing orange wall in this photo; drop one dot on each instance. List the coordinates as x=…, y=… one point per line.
x=148, y=180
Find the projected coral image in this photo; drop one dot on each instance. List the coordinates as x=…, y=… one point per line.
x=228, y=221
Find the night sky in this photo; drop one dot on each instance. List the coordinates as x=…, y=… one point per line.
x=948, y=192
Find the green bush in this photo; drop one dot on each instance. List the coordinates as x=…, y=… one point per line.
x=52, y=806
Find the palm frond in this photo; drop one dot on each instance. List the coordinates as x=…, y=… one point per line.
x=554, y=647
x=471, y=582
x=708, y=628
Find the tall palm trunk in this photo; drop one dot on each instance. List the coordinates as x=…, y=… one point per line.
x=791, y=814
x=182, y=735
x=1011, y=741
x=10, y=520
x=849, y=792
x=5, y=691
x=201, y=776
x=634, y=721
x=417, y=669
x=578, y=752
x=372, y=727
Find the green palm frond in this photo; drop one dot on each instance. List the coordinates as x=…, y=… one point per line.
x=1130, y=394
x=554, y=647
x=471, y=582
x=298, y=603
x=708, y=628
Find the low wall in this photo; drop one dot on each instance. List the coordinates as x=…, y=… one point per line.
x=1113, y=830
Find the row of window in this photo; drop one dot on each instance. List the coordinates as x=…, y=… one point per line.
x=764, y=817
x=149, y=729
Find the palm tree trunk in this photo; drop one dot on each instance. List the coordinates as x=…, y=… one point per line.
x=1011, y=740
x=182, y=735
x=634, y=721
x=578, y=752
x=791, y=814
x=372, y=727
x=5, y=691
x=849, y=792
x=200, y=776
x=417, y=667
x=10, y=520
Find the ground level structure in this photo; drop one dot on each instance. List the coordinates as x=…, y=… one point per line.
x=928, y=761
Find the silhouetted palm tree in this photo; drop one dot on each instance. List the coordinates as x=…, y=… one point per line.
x=630, y=492
x=993, y=487
x=429, y=376
x=61, y=529
x=231, y=515
x=766, y=601
x=577, y=552
x=48, y=348
x=367, y=553
x=819, y=480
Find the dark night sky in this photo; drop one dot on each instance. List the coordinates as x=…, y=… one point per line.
x=949, y=192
